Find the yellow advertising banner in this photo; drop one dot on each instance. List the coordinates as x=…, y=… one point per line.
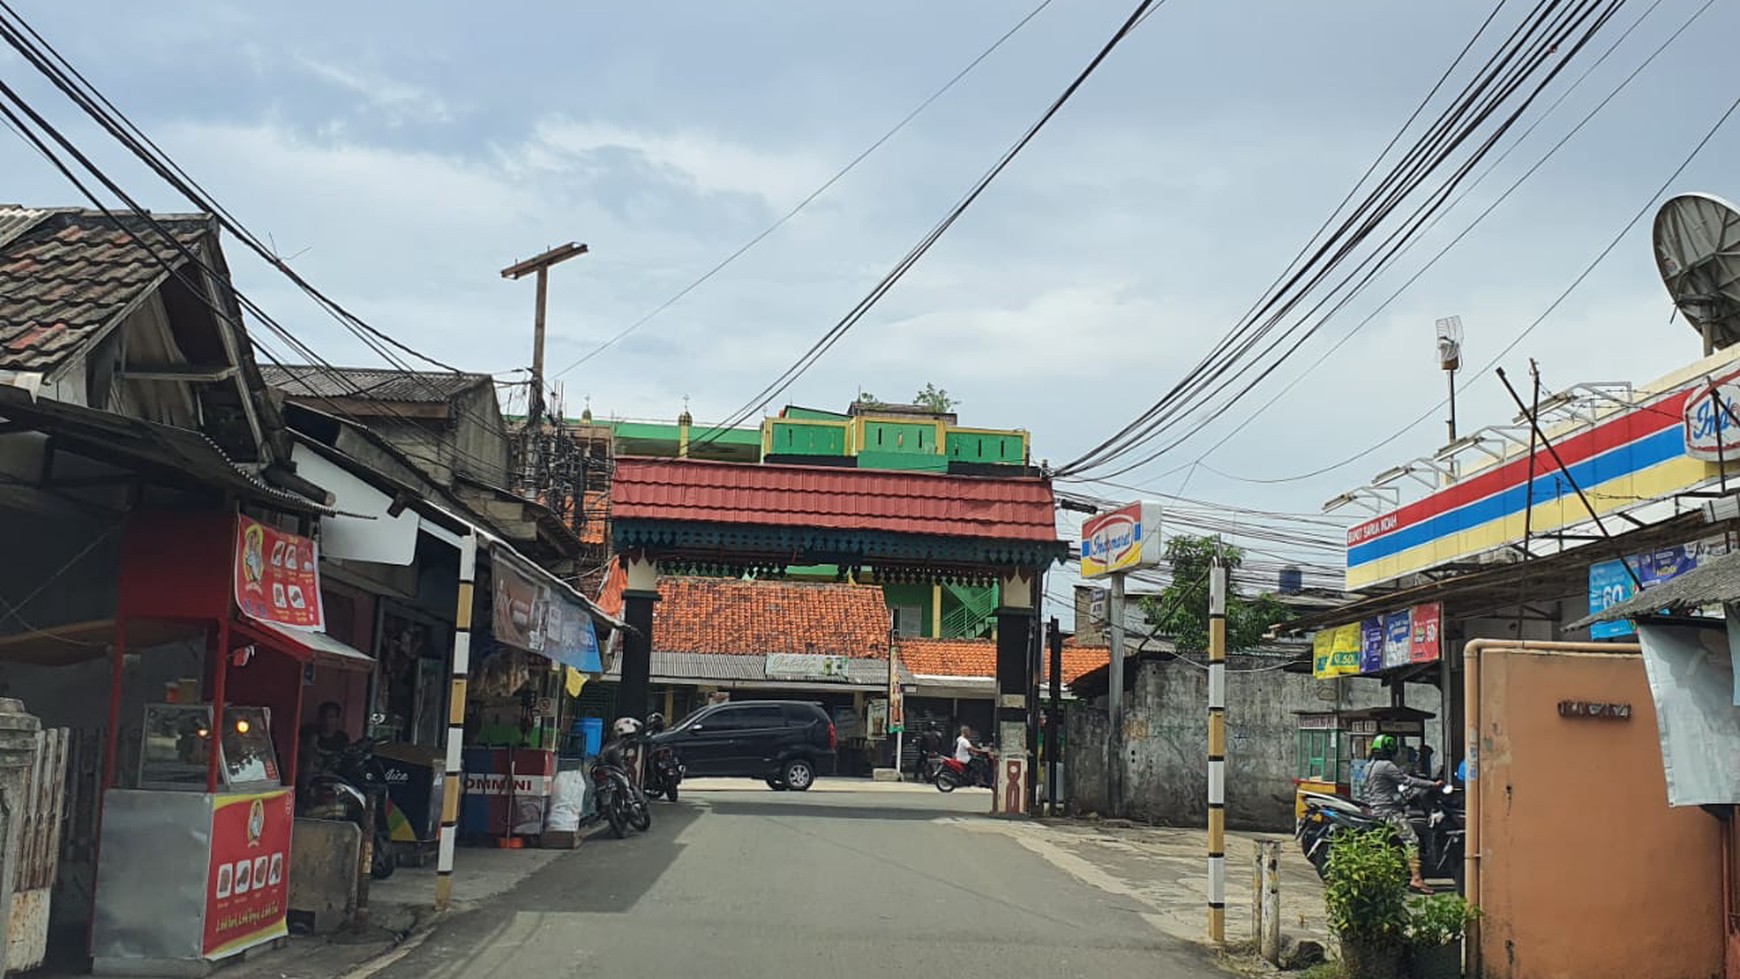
x=1335, y=652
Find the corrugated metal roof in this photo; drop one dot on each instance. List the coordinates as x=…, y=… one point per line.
x=407, y=387
x=66, y=275
x=1006, y=508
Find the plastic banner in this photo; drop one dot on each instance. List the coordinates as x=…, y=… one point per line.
x=1371, y=645
x=1427, y=642
x=1398, y=639
x=277, y=576
x=1691, y=680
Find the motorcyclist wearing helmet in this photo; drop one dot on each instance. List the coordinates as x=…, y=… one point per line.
x=1385, y=786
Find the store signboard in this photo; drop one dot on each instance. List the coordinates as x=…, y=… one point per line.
x=1631, y=456
x=248, y=878
x=805, y=666
x=571, y=637
x=1426, y=644
x=1711, y=425
x=1610, y=583
x=1123, y=539
x=1398, y=639
x=277, y=576
x=520, y=602
x=1371, y=645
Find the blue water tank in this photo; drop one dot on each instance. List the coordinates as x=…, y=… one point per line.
x=1292, y=581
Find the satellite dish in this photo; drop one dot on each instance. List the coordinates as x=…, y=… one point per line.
x=1450, y=343
x=1697, y=248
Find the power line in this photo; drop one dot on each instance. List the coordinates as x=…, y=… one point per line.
x=1504, y=196
x=811, y=197
x=1551, y=308
x=912, y=257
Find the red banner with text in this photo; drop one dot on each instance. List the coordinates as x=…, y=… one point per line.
x=277, y=576
x=248, y=884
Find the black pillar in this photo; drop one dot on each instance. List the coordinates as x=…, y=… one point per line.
x=637, y=611
x=1014, y=677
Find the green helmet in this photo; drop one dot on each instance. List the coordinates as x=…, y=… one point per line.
x=1384, y=746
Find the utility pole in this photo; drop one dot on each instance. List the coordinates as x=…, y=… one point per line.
x=1115, y=694
x=1054, y=726
x=535, y=400
x=1217, y=752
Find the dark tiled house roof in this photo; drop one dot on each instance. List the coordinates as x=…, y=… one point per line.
x=406, y=387
x=67, y=275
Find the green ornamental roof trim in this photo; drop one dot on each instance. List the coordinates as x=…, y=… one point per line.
x=809, y=546
x=661, y=432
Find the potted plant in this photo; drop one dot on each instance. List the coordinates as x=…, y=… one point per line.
x=1436, y=925
x=1365, y=894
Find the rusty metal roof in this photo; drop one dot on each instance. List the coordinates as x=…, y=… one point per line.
x=408, y=387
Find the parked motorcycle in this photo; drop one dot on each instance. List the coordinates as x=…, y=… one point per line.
x=1436, y=815
x=342, y=792
x=664, y=768
x=619, y=800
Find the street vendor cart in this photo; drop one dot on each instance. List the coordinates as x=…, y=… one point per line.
x=1334, y=747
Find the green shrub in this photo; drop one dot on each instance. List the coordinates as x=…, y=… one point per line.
x=1366, y=888
x=1439, y=920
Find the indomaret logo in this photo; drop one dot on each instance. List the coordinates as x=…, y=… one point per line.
x=1113, y=541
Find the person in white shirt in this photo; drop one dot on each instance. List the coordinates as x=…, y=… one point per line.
x=966, y=751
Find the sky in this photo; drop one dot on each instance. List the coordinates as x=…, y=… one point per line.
x=402, y=154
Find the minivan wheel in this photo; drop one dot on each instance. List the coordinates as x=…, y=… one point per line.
x=799, y=775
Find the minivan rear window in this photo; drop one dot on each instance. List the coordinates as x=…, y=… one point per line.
x=799, y=714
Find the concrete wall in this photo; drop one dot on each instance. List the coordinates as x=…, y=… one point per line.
x=1165, y=762
x=1587, y=872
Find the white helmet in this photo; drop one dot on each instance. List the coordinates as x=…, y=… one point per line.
x=625, y=727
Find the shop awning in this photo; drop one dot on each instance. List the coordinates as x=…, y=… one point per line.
x=81, y=641
x=307, y=646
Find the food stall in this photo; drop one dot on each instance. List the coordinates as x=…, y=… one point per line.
x=535, y=635
x=1334, y=747
x=195, y=854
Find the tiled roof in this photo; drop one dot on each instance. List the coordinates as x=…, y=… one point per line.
x=1018, y=508
x=66, y=275
x=729, y=615
x=978, y=658
x=408, y=387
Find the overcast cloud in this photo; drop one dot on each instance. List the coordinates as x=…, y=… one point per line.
x=407, y=152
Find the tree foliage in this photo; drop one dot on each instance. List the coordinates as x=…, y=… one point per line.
x=1180, y=612
x=934, y=399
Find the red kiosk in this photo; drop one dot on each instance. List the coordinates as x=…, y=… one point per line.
x=195, y=850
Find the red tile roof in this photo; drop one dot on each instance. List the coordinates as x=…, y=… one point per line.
x=1010, y=508
x=978, y=658
x=753, y=618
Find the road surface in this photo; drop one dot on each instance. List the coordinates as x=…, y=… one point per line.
x=849, y=881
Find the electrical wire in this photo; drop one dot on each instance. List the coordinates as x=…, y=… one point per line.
x=811, y=197
x=1537, y=51
x=826, y=342
x=1499, y=200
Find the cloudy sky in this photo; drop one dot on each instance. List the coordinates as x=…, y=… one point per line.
x=404, y=153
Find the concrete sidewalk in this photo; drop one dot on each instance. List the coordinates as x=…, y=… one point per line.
x=1166, y=870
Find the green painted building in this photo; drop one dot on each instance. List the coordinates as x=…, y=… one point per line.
x=865, y=436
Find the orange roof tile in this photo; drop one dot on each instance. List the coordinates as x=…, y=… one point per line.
x=729, y=615
x=978, y=658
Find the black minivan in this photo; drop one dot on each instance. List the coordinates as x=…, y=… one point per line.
x=785, y=743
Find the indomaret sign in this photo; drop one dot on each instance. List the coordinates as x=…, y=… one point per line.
x=1125, y=538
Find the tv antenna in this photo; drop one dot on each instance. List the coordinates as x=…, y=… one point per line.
x=1697, y=249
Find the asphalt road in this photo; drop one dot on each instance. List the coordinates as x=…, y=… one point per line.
x=825, y=884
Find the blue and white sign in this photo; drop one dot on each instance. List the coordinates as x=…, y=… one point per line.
x=1609, y=584
x=1398, y=639
x=1371, y=645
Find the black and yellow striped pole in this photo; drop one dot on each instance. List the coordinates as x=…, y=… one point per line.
x=1217, y=753
x=456, y=720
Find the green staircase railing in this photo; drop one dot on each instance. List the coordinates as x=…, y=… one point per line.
x=973, y=616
